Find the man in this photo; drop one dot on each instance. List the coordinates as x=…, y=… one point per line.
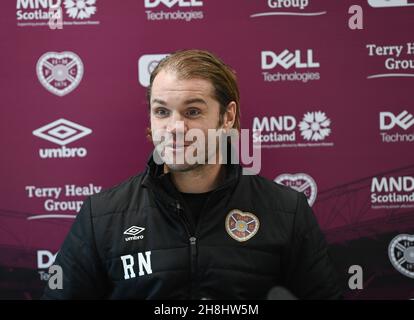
x=194, y=229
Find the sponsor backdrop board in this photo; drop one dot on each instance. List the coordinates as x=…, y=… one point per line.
x=332, y=106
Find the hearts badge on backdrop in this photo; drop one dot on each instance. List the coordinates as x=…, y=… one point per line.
x=59, y=72
x=401, y=254
x=241, y=226
x=301, y=182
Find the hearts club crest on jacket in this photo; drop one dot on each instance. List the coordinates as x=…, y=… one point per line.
x=241, y=226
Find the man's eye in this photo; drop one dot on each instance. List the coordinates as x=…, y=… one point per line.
x=193, y=112
x=161, y=112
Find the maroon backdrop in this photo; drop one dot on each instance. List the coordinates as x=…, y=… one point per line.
x=334, y=107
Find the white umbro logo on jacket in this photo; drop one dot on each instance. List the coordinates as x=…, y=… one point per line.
x=142, y=259
x=134, y=232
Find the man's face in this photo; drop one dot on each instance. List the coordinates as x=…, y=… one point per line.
x=178, y=106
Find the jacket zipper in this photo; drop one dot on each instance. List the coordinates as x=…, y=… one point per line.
x=193, y=253
x=193, y=244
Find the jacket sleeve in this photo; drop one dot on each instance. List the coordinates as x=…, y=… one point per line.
x=83, y=276
x=311, y=273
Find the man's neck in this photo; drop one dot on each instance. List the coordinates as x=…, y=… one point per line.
x=203, y=178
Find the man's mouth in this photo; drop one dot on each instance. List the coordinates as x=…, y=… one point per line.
x=178, y=145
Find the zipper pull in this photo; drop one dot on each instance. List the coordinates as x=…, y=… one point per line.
x=193, y=241
x=177, y=206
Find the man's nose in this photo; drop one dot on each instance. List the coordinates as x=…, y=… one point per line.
x=176, y=124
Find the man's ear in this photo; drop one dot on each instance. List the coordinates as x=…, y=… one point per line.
x=230, y=115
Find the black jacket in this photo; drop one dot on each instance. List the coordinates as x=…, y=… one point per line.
x=137, y=241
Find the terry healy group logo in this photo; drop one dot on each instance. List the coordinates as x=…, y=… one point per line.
x=287, y=8
x=275, y=64
x=32, y=13
x=60, y=73
x=188, y=10
x=301, y=182
x=391, y=61
x=285, y=131
x=392, y=192
x=60, y=201
x=396, y=127
x=62, y=132
x=147, y=64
